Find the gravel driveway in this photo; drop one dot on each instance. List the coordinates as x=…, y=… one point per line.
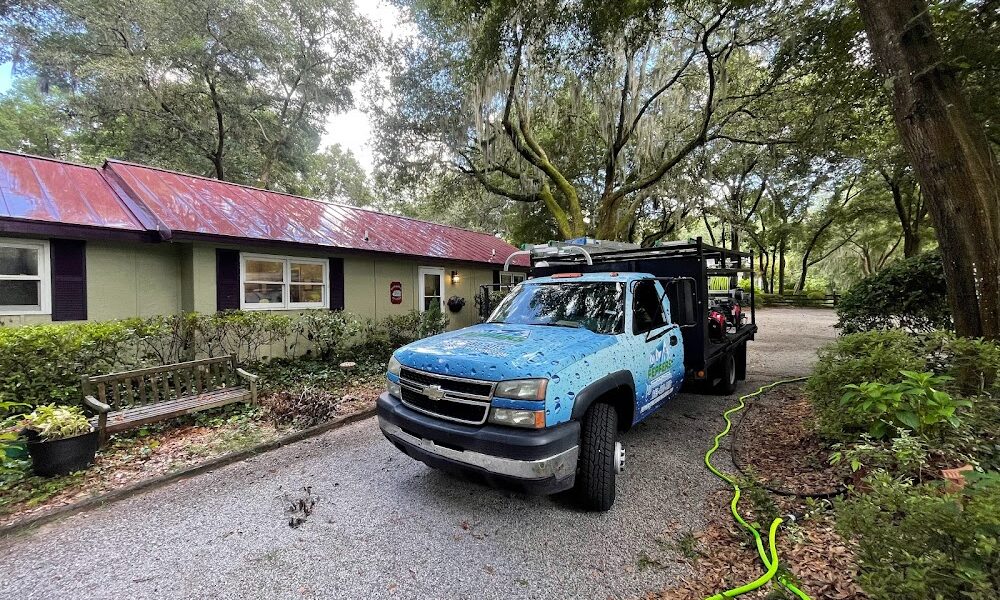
x=388, y=527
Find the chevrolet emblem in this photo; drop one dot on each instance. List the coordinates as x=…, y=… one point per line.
x=434, y=392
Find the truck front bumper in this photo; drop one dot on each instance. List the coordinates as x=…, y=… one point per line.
x=537, y=461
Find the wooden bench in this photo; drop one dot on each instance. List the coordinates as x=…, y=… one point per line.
x=131, y=399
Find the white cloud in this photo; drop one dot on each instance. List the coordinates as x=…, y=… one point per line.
x=352, y=129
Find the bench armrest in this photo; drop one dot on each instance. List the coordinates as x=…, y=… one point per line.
x=247, y=375
x=96, y=404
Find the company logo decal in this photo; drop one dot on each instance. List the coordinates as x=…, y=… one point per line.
x=660, y=363
x=500, y=336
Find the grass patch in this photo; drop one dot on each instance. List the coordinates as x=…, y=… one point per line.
x=22, y=489
x=687, y=545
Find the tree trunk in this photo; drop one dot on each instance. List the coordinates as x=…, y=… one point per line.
x=781, y=266
x=762, y=261
x=911, y=244
x=951, y=158
x=910, y=215
x=774, y=262
x=801, y=285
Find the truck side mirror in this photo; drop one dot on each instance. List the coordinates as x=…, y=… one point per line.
x=681, y=293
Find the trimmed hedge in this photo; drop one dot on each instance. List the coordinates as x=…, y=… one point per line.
x=40, y=364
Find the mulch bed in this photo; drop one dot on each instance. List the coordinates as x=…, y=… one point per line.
x=775, y=445
x=174, y=446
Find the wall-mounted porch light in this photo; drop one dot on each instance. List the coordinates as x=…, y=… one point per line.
x=455, y=278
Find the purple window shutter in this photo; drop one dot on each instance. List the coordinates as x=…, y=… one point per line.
x=336, y=283
x=227, y=279
x=69, y=280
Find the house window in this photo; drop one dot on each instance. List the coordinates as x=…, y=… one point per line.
x=509, y=279
x=280, y=282
x=24, y=277
x=431, y=288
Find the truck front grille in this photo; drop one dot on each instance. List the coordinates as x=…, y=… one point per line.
x=455, y=399
x=472, y=387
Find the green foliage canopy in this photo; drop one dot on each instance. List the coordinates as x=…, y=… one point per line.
x=236, y=90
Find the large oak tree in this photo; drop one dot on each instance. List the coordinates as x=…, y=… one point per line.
x=584, y=107
x=950, y=153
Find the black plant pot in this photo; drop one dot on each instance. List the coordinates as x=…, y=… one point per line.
x=59, y=457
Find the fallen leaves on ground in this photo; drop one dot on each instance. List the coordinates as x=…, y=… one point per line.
x=776, y=444
x=133, y=458
x=776, y=440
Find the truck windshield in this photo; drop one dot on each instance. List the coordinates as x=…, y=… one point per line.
x=597, y=305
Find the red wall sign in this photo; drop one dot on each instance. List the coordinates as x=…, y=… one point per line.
x=395, y=292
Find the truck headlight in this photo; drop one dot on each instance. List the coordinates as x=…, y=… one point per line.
x=393, y=386
x=394, y=366
x=522, y=389
x=532, y=419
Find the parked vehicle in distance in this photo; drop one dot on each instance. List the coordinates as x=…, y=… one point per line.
x=538, y=396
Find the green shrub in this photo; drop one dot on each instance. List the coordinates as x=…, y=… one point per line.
x=904, y=455
x=916, y=403
x=326, y=332
x=243, y=334
x=970, y=369
x=40, y=364
x=917, y=541
x=973, y=363
x=55, y=422
x=909, y=294
x=43, y=363
x=877, y=356
x=864, y=357
x=380, y=338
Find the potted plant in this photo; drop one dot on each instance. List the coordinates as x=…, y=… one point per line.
x=60, y=439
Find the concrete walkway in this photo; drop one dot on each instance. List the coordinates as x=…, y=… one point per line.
x=388, y=527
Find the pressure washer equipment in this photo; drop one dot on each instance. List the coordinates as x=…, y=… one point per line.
x=768, y=557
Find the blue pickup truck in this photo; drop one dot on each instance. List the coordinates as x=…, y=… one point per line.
x=537, y=396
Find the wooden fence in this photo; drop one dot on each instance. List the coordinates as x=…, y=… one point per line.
x=827, y=301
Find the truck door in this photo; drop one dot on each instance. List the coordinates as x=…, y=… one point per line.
x=661, y=360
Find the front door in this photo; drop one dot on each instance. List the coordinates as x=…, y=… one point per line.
x=431, y=289
x=662, y=358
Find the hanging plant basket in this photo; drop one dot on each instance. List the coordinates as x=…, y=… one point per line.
x=455, y=303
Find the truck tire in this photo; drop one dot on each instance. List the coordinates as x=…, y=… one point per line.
x=726, y=372
x=596, y=472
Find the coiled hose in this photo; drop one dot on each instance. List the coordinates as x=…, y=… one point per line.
x=770, y=556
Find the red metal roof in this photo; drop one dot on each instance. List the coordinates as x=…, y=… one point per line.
x=40, y=189
x=198, y=205
x=135, y=198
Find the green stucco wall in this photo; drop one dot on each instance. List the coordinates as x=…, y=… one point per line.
x=135, y=279
x=129, y=280
x=126, y=280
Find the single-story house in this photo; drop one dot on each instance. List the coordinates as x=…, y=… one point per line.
x=79, y=243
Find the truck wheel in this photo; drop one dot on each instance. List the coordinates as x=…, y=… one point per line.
x=727, y=376
x=599, y=458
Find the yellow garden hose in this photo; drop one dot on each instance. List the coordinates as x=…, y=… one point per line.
x=770, y=559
